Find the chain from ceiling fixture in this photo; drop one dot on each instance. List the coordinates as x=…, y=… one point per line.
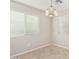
x=51, y=11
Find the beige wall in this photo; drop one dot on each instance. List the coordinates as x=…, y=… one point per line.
x=27, y=42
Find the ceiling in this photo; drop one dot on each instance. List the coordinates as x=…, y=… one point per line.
x=44, y=4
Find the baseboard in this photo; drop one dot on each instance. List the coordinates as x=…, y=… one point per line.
x=30, y=50
x=60, y=46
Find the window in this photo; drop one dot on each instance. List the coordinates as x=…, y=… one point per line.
x=22, y=24
x=31, y=24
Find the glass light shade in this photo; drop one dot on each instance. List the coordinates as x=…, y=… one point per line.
x=55, y=13
x=51, y=12
x=47, y=12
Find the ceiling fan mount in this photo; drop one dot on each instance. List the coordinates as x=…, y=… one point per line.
x=59, y=1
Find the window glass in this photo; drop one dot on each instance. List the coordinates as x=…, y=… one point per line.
x=21, y=24
x=31, y=24
x=16, y=23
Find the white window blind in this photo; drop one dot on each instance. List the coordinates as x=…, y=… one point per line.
x=31, y=24
x=22, y=24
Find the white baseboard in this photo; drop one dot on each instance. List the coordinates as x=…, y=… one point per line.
x=60, y=46
x=30, y=50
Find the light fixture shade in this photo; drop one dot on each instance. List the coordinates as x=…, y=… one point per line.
x=47, y=12
x=55, y=13
x=51, y=12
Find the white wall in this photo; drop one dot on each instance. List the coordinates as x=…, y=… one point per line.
x=60, y=35
x=27, y=42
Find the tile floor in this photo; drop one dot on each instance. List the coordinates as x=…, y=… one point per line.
x=49, y=52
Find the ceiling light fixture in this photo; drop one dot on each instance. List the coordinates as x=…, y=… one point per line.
x=51, y=11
